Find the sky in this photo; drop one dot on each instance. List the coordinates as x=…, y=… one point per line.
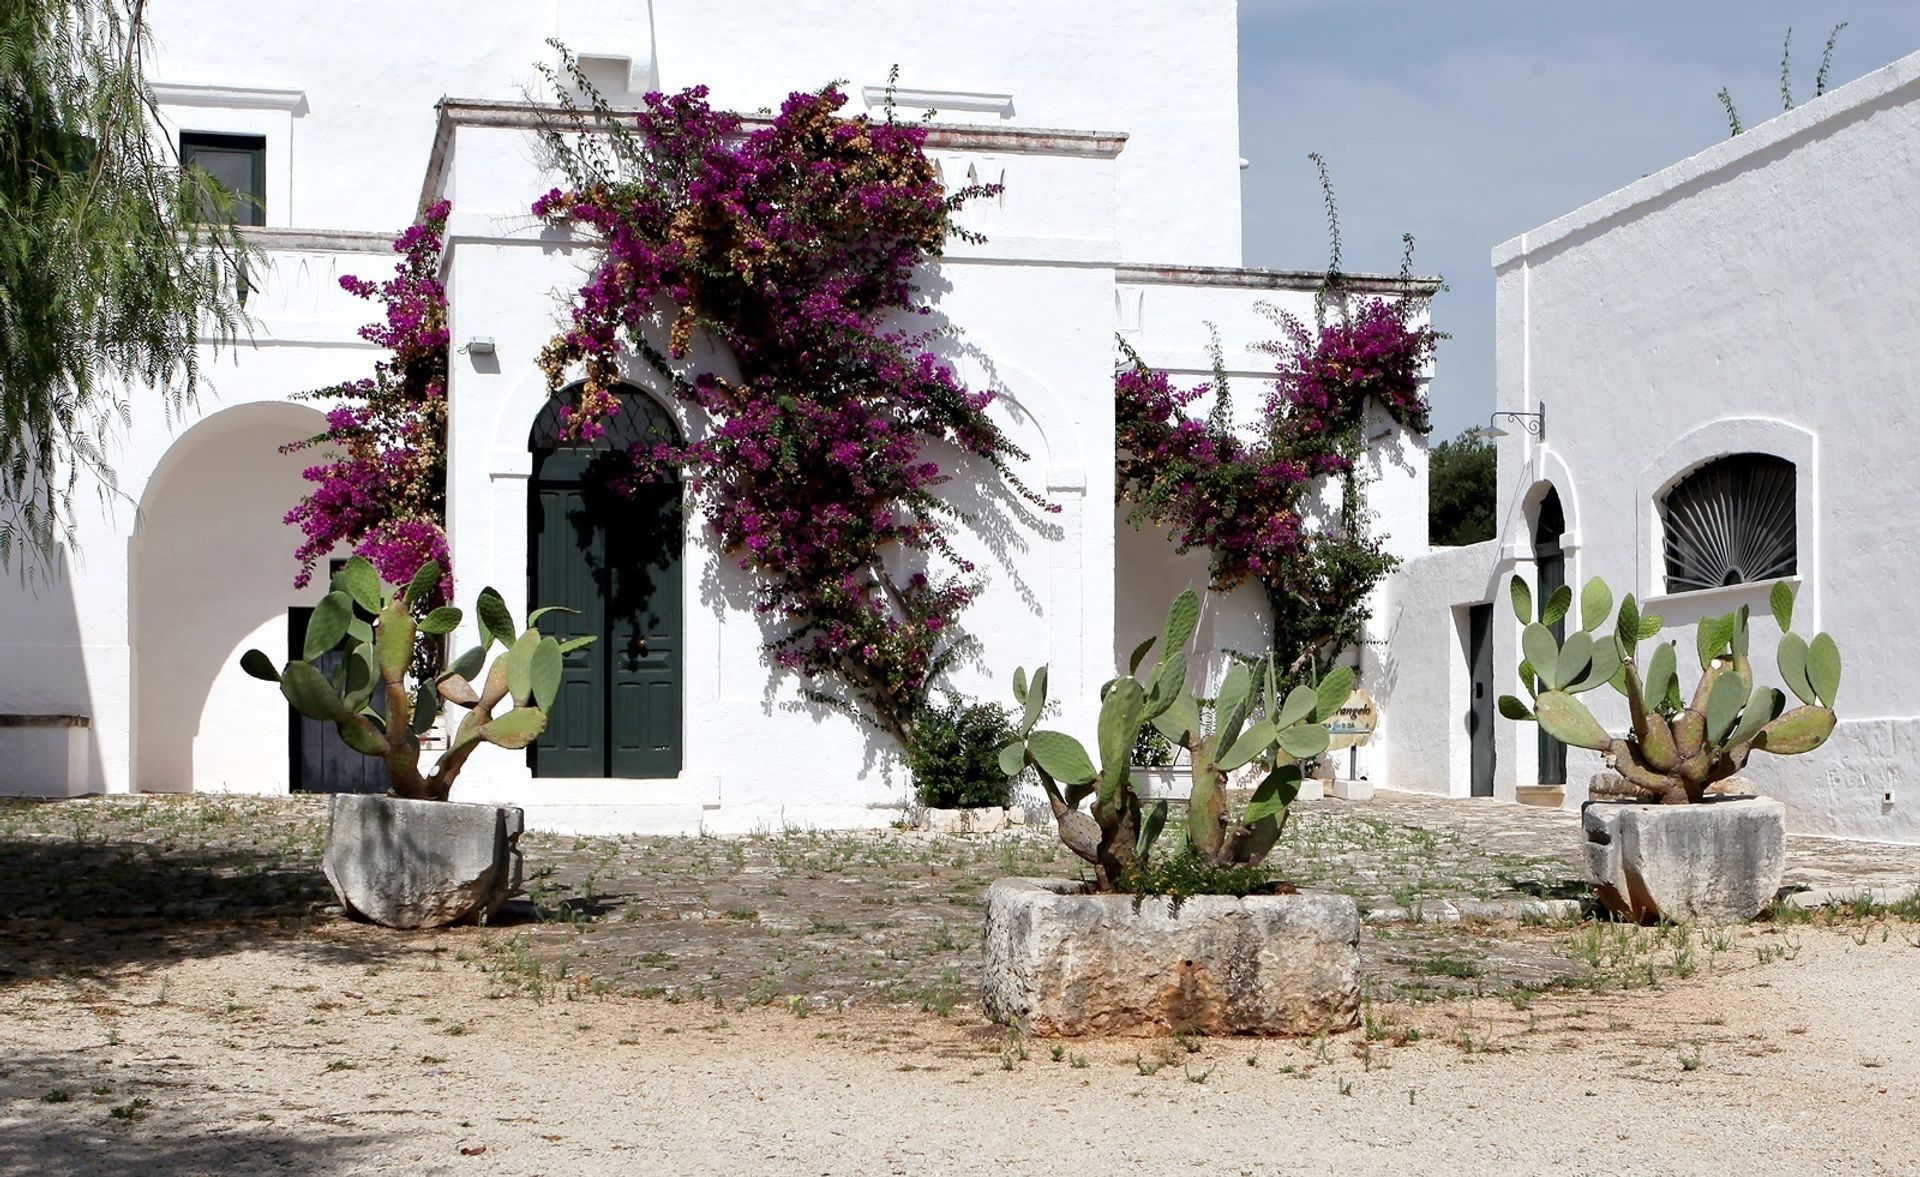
x=1468, y=122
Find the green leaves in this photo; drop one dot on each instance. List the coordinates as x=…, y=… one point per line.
x=1762, y=708
x=1182, y=616
x=1662, y=676
x=1712, y=637
x=1332, y=693
x=1061, y=757
x=1557, y=606
x=520, y=667
x=425, y=580
x=496, y=622
x=467, y=665
x=311, y=694
x=1723, y=705
x=1252, y=744
x=1522, y=597
x=360, y=582
x=259, y=666
x=1823, y=668
x=1034, y=695
x=393, y=641
x=327, y=625
x=545, y=673
x=1139, y=655
x=1801, y=730
x=1300, y=704
x=1154, y=821
x=1304, y=741
x=1566, y=720
x=516, y=729
x=1013, y=758
x=1781, y=601
x=443, y=620
x=1234, y=701
x=1596, y=602
x=1791, y=657
x=1121, y=715
x=1514, y=709
x=1542, y=653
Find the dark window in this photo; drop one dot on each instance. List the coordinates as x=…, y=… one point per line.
x=238, y=163
x=1732, y=521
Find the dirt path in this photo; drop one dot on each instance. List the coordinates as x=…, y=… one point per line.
x=344, y=1050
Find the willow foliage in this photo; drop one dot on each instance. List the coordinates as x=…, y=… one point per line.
x=117, y=266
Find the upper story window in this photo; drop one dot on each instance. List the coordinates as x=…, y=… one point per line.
x=238, y=163
x=1731, y=521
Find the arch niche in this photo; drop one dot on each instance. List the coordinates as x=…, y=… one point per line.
x=607, y=543
x=210, y=573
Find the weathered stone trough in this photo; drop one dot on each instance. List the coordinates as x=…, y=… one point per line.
x=421, y=864
x=1061, y=961
x=1720, y=861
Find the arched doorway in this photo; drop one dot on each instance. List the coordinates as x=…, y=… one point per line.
x=1550, y=567
x=607, y=544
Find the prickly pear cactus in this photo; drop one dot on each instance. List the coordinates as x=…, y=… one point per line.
x=1256, y=726
x=1674, y=750
x=378, y=655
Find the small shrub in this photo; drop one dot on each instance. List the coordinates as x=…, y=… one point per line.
x=1151, y=749
x=1185, y=873
x=955, y=757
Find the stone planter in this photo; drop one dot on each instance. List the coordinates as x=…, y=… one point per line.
x=1718, y=861
x=421, y=864
x=1061, y=961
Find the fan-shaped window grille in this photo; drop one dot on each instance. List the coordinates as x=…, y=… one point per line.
x=1730, y=522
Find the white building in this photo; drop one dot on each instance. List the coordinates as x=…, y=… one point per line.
x=1737, y=332
x=348, y=119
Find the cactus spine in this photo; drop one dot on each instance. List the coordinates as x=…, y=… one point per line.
x=1256, y=726
x=1673, y=750
x=376, y=659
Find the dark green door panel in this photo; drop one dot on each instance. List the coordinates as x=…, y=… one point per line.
x=614, y=555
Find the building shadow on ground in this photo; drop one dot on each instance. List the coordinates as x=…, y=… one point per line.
x=68, y=1111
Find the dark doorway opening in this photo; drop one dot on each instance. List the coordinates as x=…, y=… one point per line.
x=604, y=538
x=1480, y=709
x=1551, y=572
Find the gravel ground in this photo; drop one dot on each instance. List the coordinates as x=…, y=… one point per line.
x=176, y=998
x=344, y=1050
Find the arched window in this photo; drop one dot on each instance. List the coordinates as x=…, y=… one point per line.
x=1730, y=522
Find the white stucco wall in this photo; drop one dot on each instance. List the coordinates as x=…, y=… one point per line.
x=1751, y=298
x=1133, y=228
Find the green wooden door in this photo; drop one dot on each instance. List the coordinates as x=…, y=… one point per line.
x=610, y=550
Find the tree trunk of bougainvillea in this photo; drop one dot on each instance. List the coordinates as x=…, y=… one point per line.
x=791, y=247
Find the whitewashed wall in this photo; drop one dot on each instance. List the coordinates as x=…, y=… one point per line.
x=1756, y=297
x=141, y=628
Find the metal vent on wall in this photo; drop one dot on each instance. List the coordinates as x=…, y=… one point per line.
x=1731, y=522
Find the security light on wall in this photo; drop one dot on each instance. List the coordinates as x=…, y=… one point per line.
x=479, y=345
x=1535, y=423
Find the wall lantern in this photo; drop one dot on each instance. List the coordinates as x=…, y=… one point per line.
x=479, y=345
x=1534, y=423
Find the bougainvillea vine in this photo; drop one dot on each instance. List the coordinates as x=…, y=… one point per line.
x=382, y=489
x=1256, y=504
x=791, y=247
